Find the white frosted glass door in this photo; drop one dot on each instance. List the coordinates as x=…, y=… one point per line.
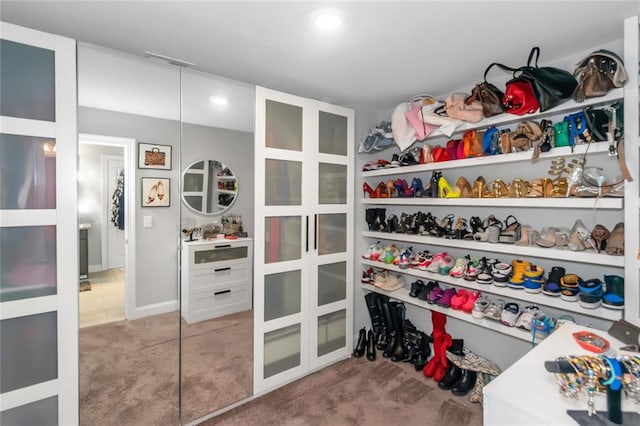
x=38, y=228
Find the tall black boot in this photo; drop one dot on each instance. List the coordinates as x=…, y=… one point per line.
x=421, y=356
x=383, y=339
x=399, y=349
x=370, y=216
x=371, y=346
x=361, y=346
x=411, y=341
x=388, y=310
x=455, y=373
x=374, y=306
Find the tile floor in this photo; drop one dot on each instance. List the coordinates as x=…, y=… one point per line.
x=105, y=301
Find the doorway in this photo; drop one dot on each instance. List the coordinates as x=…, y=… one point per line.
x=106, y=216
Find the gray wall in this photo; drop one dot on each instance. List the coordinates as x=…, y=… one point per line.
x=90, y=196
x=234, y=149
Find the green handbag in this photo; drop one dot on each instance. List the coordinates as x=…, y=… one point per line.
x=561, y=131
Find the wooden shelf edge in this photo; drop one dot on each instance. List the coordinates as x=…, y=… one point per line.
x=506, y=292
x=538, y=252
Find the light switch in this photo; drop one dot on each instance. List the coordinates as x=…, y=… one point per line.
x=147, y=222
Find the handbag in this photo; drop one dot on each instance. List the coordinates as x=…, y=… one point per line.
x=490, y=141
x=577, y=127
x=489, y=96
x=414, y=116
x=550, y=85
x=452, y=149
x=461, y=107
x=154, y=157
x=519, y=97
x=598, y=73
x=561, y=133
x=439, y=154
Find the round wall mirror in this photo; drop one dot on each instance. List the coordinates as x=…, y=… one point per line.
x=209, y=187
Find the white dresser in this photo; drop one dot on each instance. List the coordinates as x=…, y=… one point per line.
x=217, y=278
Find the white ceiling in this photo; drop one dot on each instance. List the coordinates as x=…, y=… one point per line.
x=385, y=52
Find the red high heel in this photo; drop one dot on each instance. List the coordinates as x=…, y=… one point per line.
x=368, y=190
x=382, y=191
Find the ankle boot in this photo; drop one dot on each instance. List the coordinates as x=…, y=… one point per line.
x=370, y=216
x=371, y=346
x=399, y=350
x=381, y=219
x=361, y=346
x=466, y=382
x=451, y=378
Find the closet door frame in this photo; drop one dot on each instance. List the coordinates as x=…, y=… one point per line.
x=63, y=217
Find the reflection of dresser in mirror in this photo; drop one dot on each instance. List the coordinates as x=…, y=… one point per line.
x=216, y=278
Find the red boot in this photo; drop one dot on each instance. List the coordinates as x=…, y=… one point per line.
x=438, y=320
x=440, y=354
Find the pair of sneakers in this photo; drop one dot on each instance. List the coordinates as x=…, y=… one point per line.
x=388, y=282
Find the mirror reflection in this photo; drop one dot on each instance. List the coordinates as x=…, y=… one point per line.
x=209, y=187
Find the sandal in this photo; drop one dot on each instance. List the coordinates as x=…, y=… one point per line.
x=600, y=235
x=494, y=310
x=615, y=242
x=512, y=231
x=580, y=238
x=548, y=237
x=519, y=188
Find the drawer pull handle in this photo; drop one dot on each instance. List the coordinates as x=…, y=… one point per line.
x=221, y=292
x=223, y=269
x=223, y=246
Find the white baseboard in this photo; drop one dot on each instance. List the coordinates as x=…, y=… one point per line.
x=95, y=268
x=155, y=309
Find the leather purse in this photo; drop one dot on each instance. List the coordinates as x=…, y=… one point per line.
x=489, y=96
x=439, y=154
x=452, y=149
x=461, y=107
x=598, y=73
x=550, y=85
x=519, y=97
x=561, y=133
x=491, y=141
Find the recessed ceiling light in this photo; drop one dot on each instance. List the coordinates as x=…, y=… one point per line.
x=327, y=19
x=217, y=100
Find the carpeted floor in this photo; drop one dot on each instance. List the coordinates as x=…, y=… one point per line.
x=357, y=392
x=129, y=369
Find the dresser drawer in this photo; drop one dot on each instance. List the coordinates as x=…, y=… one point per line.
x=214, y=277
x=222, y=253
x=221, y=300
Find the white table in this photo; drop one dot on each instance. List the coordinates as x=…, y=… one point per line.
x=526, y=394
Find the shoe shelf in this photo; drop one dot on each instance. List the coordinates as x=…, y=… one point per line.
x=227, y=191
x=226, y=177
x=503, y=292
x=513, y=157
x=512, y=249
x=561, y=202
x=403, y=295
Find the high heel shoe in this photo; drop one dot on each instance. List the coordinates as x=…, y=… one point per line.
x=434, y=183
x=366, y=189
x=160, y=190
x=403, y=188
x=615, y=242
x=580, y=238
x=600, y=234
x=525, y=236
x=382, y=191
x=519, y=188
x=391, y=188
x=445, y=190
x=480, y=189
x=500, y=189
x=153, y=192
x=464, y=187
x=417, y=188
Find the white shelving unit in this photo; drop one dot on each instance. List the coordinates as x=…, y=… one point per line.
x=547, y=203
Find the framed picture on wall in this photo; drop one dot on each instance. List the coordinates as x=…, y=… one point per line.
x=153, y=156
x=156, y=192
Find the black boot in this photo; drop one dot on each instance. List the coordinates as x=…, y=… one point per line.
x=374, y=306
x=423, y=352
x=466, y=382
x=389, y=310
x=451, y=378
x=384, y=337
x=370, y=216
x=381, y=221
x=361, y=347
x=399, y=350
x=371, y=346
x=411, y=341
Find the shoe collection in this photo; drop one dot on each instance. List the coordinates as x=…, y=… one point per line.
x=400, y=341
x=493, y=230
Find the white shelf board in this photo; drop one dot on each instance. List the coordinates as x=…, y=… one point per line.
x=512, y=249
x=227, y=191
x=555, y=203
x=504, y=292
x=565, y=151
x=226, y=177
x=403, y=295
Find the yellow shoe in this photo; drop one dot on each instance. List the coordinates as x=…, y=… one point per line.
x=446, y=191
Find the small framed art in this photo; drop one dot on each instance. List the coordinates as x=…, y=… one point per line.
x=156, y=192
x=152, y=156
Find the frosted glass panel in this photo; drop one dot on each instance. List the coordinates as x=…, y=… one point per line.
x=281, y=350
x=332, y=184
x=283, y=238
x=332, y=331
x=41, y=413
x=333, y=134
x=27, y=81
x=332, y=233
x=283, y=126
x=282, y=294
x=283, y=183
x=332, y=283
x=28, y=262
x=27, y=172
x=29, y=351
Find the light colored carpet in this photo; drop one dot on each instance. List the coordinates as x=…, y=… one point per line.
x=357, y=392
x=129, y=369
